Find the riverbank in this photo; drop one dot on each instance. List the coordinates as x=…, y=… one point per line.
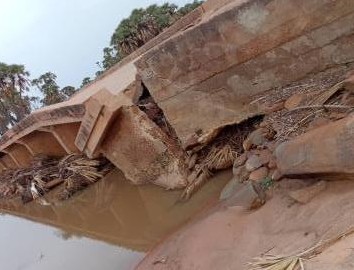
x=229, y=237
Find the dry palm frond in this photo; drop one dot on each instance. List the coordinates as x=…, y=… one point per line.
x=216, y=159
x=202, y=176
x=277, y=263
x=78, y=172
x=270, y=262
x=80, y=165
x=326, y=95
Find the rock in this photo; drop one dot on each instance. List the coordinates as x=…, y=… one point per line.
x=240, y=173
x=253, y=163
x=277, y=175
x=230, y=188
x=257, y=137
x=265, y=156
x=259, y=174
x=294, y=101
x=272, y=164
x=324, y=150
x=249, y=195
x=236, y=171
x=243, y=176
x=240, y=160
x=306, y=194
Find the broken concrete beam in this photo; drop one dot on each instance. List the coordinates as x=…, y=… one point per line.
x=206, y=76
x=328, y=149
x=145, y=154
x=101, y=110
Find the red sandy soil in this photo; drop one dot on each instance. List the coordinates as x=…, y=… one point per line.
x=228, y=237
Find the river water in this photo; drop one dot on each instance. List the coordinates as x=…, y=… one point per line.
x=110, y=225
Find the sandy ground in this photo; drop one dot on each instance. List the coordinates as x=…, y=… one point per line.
x=228, y=237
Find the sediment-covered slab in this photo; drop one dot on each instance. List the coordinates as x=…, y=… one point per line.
x=206, y=76
x=145, y=154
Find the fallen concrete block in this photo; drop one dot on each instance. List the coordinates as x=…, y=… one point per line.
x=145, y=154
x=328, y=149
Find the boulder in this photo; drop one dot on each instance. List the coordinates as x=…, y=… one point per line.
x=259, y=174
x=253, y=163
x=256, y=138
x=240, y=160
x=230, y=188
x=265, y=156
x=276, y=175
x=248, y=195
x=325, y=150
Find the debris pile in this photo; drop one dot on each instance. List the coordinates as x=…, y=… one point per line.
x=78, y=172
x=304, y=109
x=45, y=173
x=220, y=154
x=250, y=147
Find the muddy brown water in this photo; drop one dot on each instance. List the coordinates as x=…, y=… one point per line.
x=110, y=225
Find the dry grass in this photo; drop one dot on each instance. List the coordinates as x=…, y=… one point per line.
x=219, y=159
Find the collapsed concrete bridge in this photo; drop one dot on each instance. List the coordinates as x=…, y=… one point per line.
x=202, y=72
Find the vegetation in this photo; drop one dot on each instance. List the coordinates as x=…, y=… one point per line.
x=15, y=103
x=52, y=93
x=133, y=32
x=142, y=25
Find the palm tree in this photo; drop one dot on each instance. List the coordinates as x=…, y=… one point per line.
x=15, y=104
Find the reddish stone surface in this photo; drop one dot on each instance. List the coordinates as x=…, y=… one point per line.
x=259, y=174
x=327, y=149
x=206, y=76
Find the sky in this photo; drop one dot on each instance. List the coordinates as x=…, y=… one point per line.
x=62, y=36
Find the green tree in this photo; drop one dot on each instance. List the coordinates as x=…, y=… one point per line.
x=15, y=103
x=48, y=86
x=51, y=91
x=188, y=8
x=141, y=26
x=68, y=91
x=85, y=81
x=110, y=57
